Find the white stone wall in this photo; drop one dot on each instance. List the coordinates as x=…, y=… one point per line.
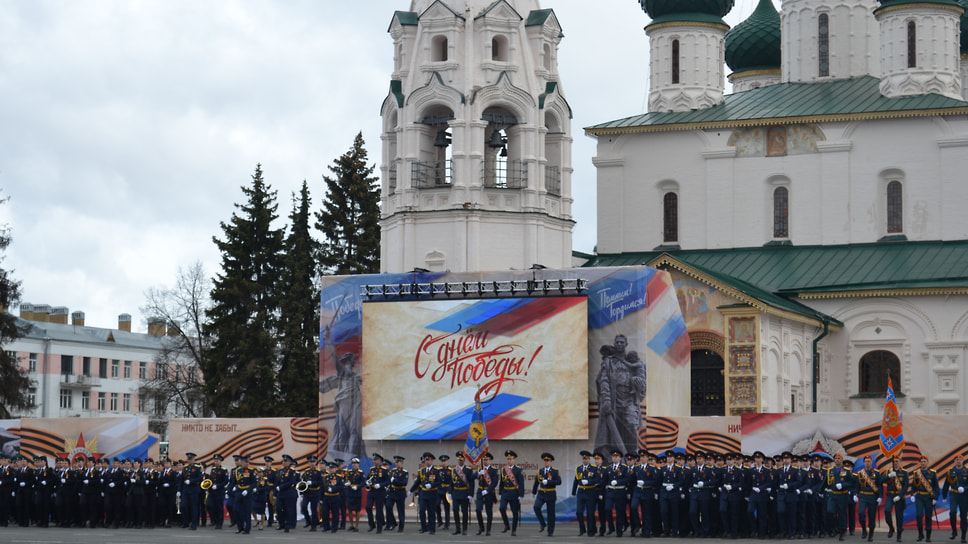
x=937, y=67
x=701, y=66
x=854, y=39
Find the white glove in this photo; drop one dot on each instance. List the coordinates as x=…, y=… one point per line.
x=728, y=487
x=769, y=490
x=756, y=490
x=856, y=499
x=214, y=487
x=584, y=482
x=376, y=486
x=809, y=492
x=166, y=484
x=177, y=494
x=961, y=489
x=682, y=496
x=329, y=489
x=798, y=491
x=700, y=484
x=188, y=482
x=614, y=482
x=482, y=472
x=427, y=486
x=278, y=489
x=839, y=486
x=879, y=501
x=669, y=487
x=23, y=484
x=111, y=485
x=934, y=502
x=891, y=474
x=656, y=496
x=63, y=480
x=897, y=498
x=483, y=492
x=784, y=486
x=245, y=492
x=640, y=483
x=544, y=482
x=912, y=499
x=354, y=487
x=86, y=482
x=132, y=480
x=43, y=482
x=102, y=494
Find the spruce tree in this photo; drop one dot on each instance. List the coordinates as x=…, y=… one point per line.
x=299, y=315
x=350, y=218
x=14, y=381
x=241, y=363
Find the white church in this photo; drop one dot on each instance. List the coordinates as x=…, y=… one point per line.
x=812, y=219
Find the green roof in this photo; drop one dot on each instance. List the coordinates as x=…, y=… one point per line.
x=772, y=274
x=755, y=42
x=845, y=99
x=406, y=18
x=538, y=17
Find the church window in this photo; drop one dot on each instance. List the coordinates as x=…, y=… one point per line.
x=912, y=45
x=670, y=217
x=823, y=45
x=438, y=49
x=875, y=367
x=499, y=49
x=895, y=208
x=781, y=213
x=675, y=61
x=546, y=58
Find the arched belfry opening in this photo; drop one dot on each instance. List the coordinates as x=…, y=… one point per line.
x=502, y=166
x=434, y=167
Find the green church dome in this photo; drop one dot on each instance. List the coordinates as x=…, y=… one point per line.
x=665, y=8
x=755, y=43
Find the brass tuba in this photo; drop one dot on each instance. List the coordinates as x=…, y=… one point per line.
x=206, y=483
x=303, y=485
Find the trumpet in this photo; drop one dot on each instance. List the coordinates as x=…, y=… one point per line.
x=303, y=485
x=206, y=483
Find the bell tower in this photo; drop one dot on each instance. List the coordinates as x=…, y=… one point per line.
x=476, y=170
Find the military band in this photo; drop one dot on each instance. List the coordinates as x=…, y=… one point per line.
x=644, y=494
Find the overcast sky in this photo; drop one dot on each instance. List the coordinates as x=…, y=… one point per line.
x=128, y=128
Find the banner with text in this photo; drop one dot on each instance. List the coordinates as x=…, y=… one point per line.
x=256, y=437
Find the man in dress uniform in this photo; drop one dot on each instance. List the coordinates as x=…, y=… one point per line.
x=377, y=480
x=114, y=483
x=285, y=488
x=216, y=493
x=701, y=481
x=760, y=482
x=332, y=489
x=397, y=494
x=425, y=486
x=646, y=481
x=446, y=481
x=44, y=478
x=895, y=479
x=269, y=474
x=868, y=497
x=788, y=495
x=673, y=479
x=512, y=489
x=955, y=485
x=191, y=478
x=616, y=476
x=734, y=496
x=355, y=480
x=924, y=495
x=839, y=485
x=313, y=476
x=341, y=468
x=487, y=481
x=545, y=492
x=461, y=490
x=245, y=482
x=6, y=489
x=813, y=490
x=585, y=489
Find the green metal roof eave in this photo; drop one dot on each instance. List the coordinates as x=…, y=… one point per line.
x=406, y=18
x=538, y=17
x=791, y=102
x=878, y=286
x=686, y=17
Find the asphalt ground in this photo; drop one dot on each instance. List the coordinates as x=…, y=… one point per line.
x=564, y=532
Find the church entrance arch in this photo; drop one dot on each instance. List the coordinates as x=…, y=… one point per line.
x=708, y=384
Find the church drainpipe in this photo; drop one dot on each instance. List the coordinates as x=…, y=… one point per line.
x=816, y=358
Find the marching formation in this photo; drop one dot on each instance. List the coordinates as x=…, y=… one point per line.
x=642, y=494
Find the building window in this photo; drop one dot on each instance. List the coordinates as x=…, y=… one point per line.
x=115, y=368
x=65, y=398
x=101, y=401
x=875, y=367
x=670, y=217
x=127, y=370
x=142, y=371
x=912, y=45
x=67, y=365
x=438, y=49
x=127, y=403
x=781, y=213
x=895, y=208
x=499, y=49
x=141, y=404
x=86, y=368
x=675, y=61
x=32, y=362
x=102, y=368
x=114, y=402
x=85, y=400
x=161, y=369
x=32, y=396
x=823, y=44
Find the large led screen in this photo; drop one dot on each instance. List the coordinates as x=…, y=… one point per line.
x=427, y=361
